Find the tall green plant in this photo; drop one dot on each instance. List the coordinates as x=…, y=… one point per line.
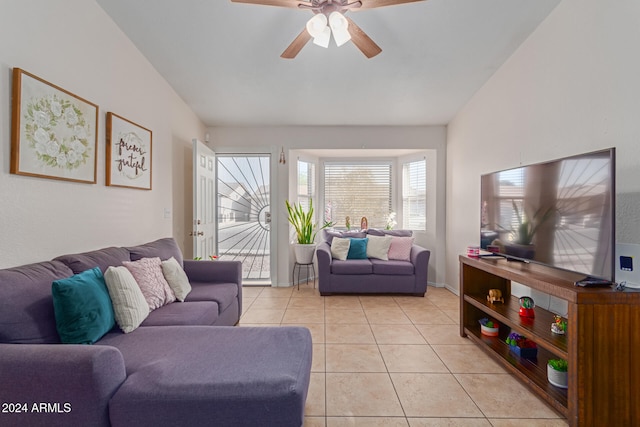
x=303, y=223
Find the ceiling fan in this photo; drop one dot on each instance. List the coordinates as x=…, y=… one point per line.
x=329, y=20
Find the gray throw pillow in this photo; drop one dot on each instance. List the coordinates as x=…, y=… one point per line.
x=177, y=278
x=129, y=306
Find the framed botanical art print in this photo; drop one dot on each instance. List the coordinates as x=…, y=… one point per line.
x=128, y=153
x=54, y=132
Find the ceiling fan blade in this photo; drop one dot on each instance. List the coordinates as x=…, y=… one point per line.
x=362, y=41
x=281, y=3
x=296, y=46
x=371, y=4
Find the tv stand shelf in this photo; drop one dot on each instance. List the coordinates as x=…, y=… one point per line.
x=601, y=345
x=539, y=326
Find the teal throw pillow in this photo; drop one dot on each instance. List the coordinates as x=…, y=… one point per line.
x=82, y=307
x=358, y=248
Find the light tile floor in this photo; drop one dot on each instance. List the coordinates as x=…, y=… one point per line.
x=387, y=361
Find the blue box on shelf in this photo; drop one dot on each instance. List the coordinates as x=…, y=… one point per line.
x=527, y=353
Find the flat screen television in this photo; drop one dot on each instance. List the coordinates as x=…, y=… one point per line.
x=559, y=213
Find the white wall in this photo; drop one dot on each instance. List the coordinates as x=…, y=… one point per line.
x=75, y=45
x=273, y=139
x=572, y=87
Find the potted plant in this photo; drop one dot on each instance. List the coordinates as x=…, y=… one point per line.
x=306, y=231
x=488, y=327
x=557, y=372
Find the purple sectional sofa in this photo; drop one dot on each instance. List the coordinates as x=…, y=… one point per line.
x=372, y=276
x=184, y=365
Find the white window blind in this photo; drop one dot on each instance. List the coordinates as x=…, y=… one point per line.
x=511, y=193
x=306, y=183
x=357, y=190
x=414, y=195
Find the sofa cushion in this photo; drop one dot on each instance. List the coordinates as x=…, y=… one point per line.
x=176, y=278
x=392, y=267
x=211, y=376
x=397, y=233
x=129, y=305
x=352, y=266
x=26, y=303
x=340, y=248
x=330, y=234
x=103, y=258
x=193, y=313
x=378, y=247
x=82, y=307
x=222, y=293
x=400, y=248
x=162, y=248
x=154, y=287
x=358, y=249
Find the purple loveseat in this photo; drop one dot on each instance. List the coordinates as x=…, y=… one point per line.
x=185, y=365
x=372, y=276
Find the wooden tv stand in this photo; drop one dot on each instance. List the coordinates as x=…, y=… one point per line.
x=602, y=344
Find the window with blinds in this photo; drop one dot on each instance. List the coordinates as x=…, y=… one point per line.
x=306, y=183
x=414, y=195
x=357, y=190
x=511, y=195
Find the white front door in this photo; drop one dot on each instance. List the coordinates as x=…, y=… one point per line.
x=204, y=200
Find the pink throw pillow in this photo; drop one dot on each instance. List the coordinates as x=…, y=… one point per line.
x=400, y=248
x=154, y=287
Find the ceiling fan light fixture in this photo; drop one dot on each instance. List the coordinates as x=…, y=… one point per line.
x=318, y=29
x=339, y=28
x=324, y=38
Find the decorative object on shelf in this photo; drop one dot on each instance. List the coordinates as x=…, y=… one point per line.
x=306, y=230
x=473, y=251
x=522, y=346
x=493, y=249
x=559, y=325
x=526, y=307
x=391, y=221
x=128, y=154
x=282, y=160
x=54, y=132
x=364, y=224
x=488, y=327
x=557, y=372
x=495, y=295
x=347, y=222
x=211, y=258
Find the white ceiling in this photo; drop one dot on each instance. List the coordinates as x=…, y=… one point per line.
x=223, y=59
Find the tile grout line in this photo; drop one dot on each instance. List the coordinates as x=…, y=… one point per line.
x=325, y=417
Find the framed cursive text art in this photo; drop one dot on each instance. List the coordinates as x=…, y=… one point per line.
x=128, y=154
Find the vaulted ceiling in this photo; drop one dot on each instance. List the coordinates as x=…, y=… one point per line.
x=223, y=59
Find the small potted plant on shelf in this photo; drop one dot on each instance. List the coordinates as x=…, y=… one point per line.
x=559, y=325
x=488, y=327
x=557, y=372
x=522, y=346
